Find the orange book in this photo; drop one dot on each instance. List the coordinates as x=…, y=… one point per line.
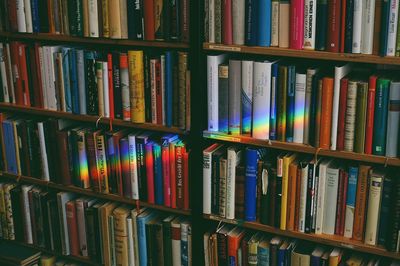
x=326, y=113
x=72, y=228
x=361, y=201
x=291, y=203
x=50, y=12
x=234, y=238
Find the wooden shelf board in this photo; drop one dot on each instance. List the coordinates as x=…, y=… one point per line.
x=302, y=148
x=91, y=193
x=87, y=40
x=89, y=118
x=336, y=241
x=79, y=259
x=310, y=54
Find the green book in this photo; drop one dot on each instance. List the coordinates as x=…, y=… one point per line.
x=361, y=116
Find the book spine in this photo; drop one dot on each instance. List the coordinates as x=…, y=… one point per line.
x=274, y=101
x=116, y=78
x=361, y=117
x=223, y=98
x=326, y=113
x=350, y=116
x=238, y=23
x=247, y=96
x=296, y=25
x=158, y=175
x=251, y=22
x=72, y=228
x=124, y=19
x=81, y=223
x=281, y=106
x=342, y=114
x=149, y=27
x=361, y=200
x=284, y=30
x=110, y=86
x=150, y=172
x=290, y=105
x=348, y=42
x=166, y=174
x=368, y=27
x=357, y=26
x=21, y=19
x=136, y=84
x=222, y=187
x=251, y=184
x=321, y=25
x=385, y=210
x=179, y=151
x=264, y=23
x=234, y=101
x=93, y=19
x=380, y=117
x=168, y=73
x=227, y=31
x=392, y=135
x=331, y=194
x=374, y=204
x=350, y=202
x=125, y=91
x=310, y=16
x=274, y=23
x=125, y=168
x=392, y=28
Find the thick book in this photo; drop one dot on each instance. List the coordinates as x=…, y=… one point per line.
x=251, y=158
x=350, y=201
x=361, y=117
x=223, y=98
x=207, y=177
x=357, y=25
x=321, y=25
x=281, y=107
x=251, y=22
x=331, y=194
x=380, y=116
x=296, y=25
x=392, y=135
x=350, y=119
x=385, y=210
x=264, y=23
x=361, y=201
x=247, y=96
x=326, y=113
x=299, y=112
x=227, y=20
x=238, y=21
x=234, y=94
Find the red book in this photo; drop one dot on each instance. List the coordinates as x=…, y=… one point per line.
x=149, y=27
x=342, y=26
x=24, y=74
x=159, y=94
x=172, y=161
x=72, y=228
x=333, y=41
x=110, y=84
x=344, y=82
x=36, y=76
x=12, y=15
x=186, y=180
x=343, y=205
x=370, y=114
x=339, y=211
x=150, y=172
x=227, y=37
x=166, y=174
x=296, y=24
x=234, y=238
x=179, y=151
x=19, y=95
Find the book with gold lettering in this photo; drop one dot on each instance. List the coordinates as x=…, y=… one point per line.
x=136, y=86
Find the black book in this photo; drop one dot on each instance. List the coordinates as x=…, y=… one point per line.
x=321, y=25
x=91, y=83
x=266, y=192
x=33, y=148
x=348, y=35
x=150, y=244
x=43, y=16
x=141, y=140
x=50, y=128
x=94, y=231
x=16, y=203
x=15, y=254
x=310, y=197
x=117, y=85
x=166, y=17
x=135, y=19
x=54, y=224
x=174, y=20
x=44, y=197
x=313, y=107
x=215, y=166
x=75, y=17
x=394, y=219
x=385, y=210
x=23, y=147
x=30, y=73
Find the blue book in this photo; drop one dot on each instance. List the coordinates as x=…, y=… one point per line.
x=282, y=254
x=142, y=220
x=158, y=175
x=263, y=254
x=385, y=27
x=380, y=117
x=35, y=16
x=66, y=77
x=274, y=100
x=185, y=232
x=351, y=188
x=251, y=20
x=169, y=85
x=9, y=142
x=264, y=23
x=74, y=81
x=250, y=194
x=290, y=106
x=385, y=210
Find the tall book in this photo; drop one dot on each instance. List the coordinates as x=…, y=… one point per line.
x=310, y=16
x=252, y=157
x=136, y=84
x=247, y=96
x=296, y=25
x=331, y=193
x=234, y=103
x=350, y=201
x=392, y=135
x=361, y=201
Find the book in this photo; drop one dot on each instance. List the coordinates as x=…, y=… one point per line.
x=310, y=17
x=350, y=201
x=296, y=25
x=284, y=33
x=252, y=156
x=331, y=192
x=300, y=101
x=234, y=102
x=326, y=113
x=247, y=96
x=393, y=121
x=380, y=117
x=361, y=201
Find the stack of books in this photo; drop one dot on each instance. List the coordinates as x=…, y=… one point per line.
x=236, y=245
x=300, y=193
x=340, y=26
x=340, y=107
x=137, y=165
x=15, y=255
x=133, y=86
x=116, y=19
x=105, y=232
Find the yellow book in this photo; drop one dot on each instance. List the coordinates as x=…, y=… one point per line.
x=105, y=211
x=114, y=17
x=47, y=260
x=85, y=11
x=106, y=17
x=287, y=160
x=136, y=86
x=3, y=219
x=335, y=257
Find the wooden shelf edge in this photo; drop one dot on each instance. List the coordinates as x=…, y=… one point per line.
x=302, y=148
x=336, y=241
x=80, y=259
x=90, y=193
x=90, y=118
x=88, y=40
x=310, y=54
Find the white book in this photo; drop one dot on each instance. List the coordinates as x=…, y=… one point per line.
x=357, y=26
x=131, y=248
x=234, y=157
x=52, y=102
x=261, y=99
x=350, y=202
x=392, y=29
x=106, y=94
x=133, y=166
x=206, y=246
x=310, y=9
x=300, y=103
x=163, y=89
x=62, y=199
x=392, y=134
x=80, y=63
x=238, y=13
x=211, y=21
x=374, y=206
x=340, y=72
x=81, y=205
x=3, y=74
x=331, y=193
x=176, y=244
x=21, y=21
x=212, y=89
x=247, y=95
x=368, y=22
x=9, y=70
x=28, y=16
x=43, y=153
x=153, y=90
x=43, y=74
x=93, y=19
x=275, y=23
x=26, y=213
x=303, y=197
x=321, y=196
x=207, y=164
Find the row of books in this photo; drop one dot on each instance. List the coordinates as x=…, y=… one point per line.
x=137, y=165
x=135, y=86
x=300, y=193
x=340, y=107
x=105, y=232
x=116, y=19
x=228, y=243
x=345, y=26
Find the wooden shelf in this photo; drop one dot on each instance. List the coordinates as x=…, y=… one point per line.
x=301, y=148
x=89, y=118
x=336, y=241
x=309, y=54
x=90, y=193
x=96, y=41
x=78, y=259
